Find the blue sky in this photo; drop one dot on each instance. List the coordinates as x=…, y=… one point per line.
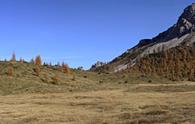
x=81, y=32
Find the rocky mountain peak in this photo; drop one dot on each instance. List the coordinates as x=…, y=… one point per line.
x=186, y=21
x=188, y=14
x=190, y=8
x=184, y=25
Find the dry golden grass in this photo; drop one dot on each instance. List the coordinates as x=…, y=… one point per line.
x=99, y=107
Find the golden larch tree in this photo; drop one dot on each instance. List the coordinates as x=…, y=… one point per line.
x=38, y=60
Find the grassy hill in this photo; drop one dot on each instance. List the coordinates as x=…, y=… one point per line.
x=17, y=77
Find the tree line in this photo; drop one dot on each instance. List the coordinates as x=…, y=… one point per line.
x=176, y=63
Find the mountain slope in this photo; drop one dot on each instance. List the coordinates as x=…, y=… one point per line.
x=177, y=63
x=179, y=34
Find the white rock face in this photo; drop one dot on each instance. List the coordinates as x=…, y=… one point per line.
x=121, y=67
x=163, y=46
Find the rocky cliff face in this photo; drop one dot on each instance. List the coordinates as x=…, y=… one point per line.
x=178, y=34
x=184, y=25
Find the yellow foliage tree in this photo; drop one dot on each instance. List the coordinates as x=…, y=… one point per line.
x=38, y=60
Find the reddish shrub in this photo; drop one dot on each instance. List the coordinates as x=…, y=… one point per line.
x=37, y=70
x=10, y=71
x=65, y=68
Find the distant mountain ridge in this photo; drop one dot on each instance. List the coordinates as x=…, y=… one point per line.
x=177, y=35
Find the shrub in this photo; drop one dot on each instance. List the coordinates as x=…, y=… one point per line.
x=101, y=81
x=45, y=78
x=37, y=70
x=65, y=68
x=38, y=60
x=21, y=60
x=10, y=71
x=126, y=81
x=56, y=79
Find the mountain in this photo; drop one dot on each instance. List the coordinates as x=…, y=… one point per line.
x=179, y=36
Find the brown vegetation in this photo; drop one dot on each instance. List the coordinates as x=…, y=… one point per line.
x=37, y=70
x=38, y=60
x=21, y=61
x=45, y=78
x=56, y=79
x=10, y=71
x=176, y=64
x=65, y=68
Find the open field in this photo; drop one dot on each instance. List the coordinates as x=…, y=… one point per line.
x=141, y=104
x=84, y=97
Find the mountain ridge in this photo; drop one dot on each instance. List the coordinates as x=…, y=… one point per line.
x=174, y=36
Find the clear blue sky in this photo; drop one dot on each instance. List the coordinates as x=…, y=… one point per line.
x=80, y=32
